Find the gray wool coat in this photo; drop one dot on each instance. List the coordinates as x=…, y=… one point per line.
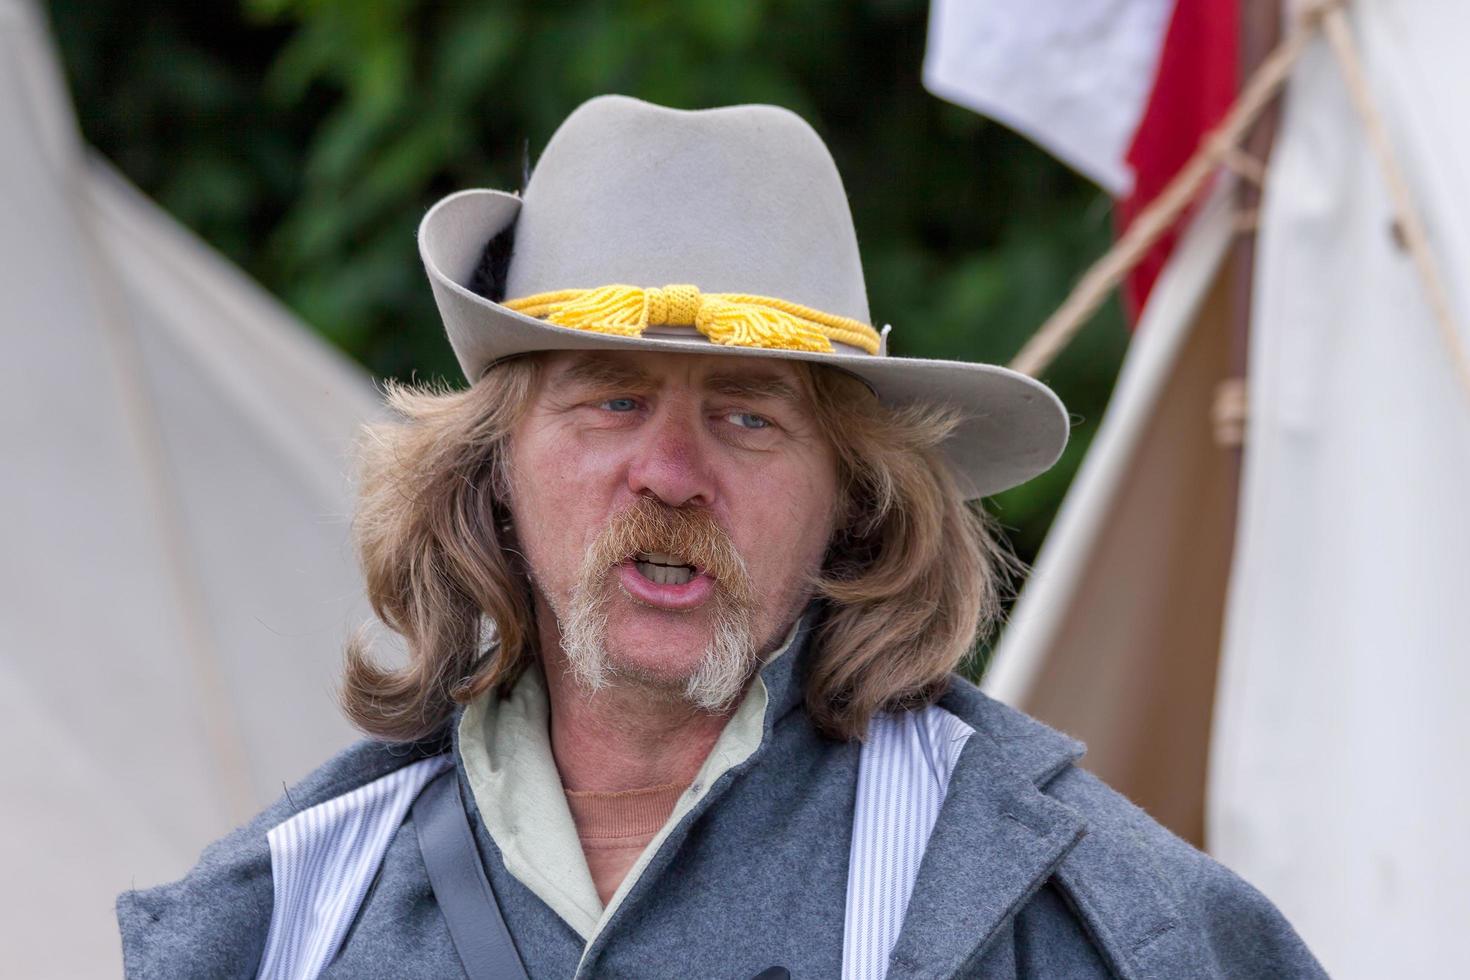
x=1035, y=869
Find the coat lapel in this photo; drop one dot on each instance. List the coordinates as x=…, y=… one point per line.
x=997, y=840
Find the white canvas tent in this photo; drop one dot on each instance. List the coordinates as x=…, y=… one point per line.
x=1286, y=679
x=175, y=574
x=1114, y=637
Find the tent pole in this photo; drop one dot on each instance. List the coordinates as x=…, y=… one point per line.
x=1260, y=33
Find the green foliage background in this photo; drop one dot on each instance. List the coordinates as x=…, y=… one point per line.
x=305, y=138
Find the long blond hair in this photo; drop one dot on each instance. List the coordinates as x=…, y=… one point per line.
x=911, y=578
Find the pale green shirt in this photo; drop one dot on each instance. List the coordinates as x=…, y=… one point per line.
x=506, y=747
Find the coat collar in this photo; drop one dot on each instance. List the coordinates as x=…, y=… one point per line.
x=998, y=838
x=785, y=676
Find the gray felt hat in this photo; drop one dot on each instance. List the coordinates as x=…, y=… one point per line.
x=731, y=226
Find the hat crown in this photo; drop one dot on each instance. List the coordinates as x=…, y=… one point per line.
x=742, y=199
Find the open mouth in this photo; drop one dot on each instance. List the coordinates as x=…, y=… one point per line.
x=665, y=581
x=663, y=569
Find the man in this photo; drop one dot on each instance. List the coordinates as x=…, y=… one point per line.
x=684, y=576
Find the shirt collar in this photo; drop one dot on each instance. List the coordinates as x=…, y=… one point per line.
x=504, y=746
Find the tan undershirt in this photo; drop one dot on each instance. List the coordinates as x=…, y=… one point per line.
x=615, y=828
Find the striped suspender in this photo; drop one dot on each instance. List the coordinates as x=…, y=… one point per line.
x=322, y=861
x=903, y=773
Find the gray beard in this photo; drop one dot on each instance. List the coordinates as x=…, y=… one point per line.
x=717, y=681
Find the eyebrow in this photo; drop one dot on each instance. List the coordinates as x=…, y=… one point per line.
x=597, y=372
x=754, y=386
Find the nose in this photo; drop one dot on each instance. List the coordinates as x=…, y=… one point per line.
x=670, y=460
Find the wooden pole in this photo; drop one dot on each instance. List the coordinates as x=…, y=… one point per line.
x=1218, y=148
x=1260, y=34
x=1407, y=217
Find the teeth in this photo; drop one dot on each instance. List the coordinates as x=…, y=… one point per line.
x=659, y=558
x=665, y=574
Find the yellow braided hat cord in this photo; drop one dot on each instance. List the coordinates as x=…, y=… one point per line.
x=731, y=319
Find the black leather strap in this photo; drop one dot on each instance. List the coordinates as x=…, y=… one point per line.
x=458, y=878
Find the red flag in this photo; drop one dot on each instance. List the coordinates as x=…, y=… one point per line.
x=1197, y=81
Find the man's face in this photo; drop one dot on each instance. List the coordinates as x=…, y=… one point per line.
x=624, y=460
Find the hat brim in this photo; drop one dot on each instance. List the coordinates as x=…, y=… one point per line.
x=1012, y=426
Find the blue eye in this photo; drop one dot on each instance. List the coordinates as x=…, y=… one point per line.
x=747, y=420
x=619, y=405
